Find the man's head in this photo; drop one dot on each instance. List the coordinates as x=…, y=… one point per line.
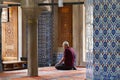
x=65, y=44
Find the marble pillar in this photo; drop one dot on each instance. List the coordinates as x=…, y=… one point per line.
x=76, y=32
x=89, y=39
x=32, y=55
x=54, y=35
x=31, y=12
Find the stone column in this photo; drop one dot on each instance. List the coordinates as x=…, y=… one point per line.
x=78, y=19
x=24, y=37
x=30, y=10
x=0, y=40
x=76, y=32
x=89, y=39
x=55, y=34
x=31, y=23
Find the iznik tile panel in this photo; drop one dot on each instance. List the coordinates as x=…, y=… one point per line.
x=106, y=40
x=44, y=38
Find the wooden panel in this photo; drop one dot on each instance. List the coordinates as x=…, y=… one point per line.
x=10, y=35
x=65, y=25
x=13, y=65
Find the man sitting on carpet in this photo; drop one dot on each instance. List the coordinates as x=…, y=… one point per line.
x=68, y=59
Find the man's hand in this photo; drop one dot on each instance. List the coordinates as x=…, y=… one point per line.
x=61, y=61
x=57, y=63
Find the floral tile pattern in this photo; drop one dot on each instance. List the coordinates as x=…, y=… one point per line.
x=106, y=41
x=44, y=38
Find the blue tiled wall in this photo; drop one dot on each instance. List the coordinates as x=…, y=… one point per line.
x=106, y=41
x=45, y=39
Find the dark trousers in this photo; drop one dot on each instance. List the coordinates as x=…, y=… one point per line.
x=63, y=67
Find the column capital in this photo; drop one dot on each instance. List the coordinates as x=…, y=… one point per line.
x=30, y=8
x=31, y=13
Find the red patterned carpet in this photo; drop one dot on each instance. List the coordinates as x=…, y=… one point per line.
x=45, y=73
